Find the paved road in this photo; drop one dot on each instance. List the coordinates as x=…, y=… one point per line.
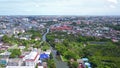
x=44, y=36
x=58, y=63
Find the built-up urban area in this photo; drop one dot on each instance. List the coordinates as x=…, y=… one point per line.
x=59, y=41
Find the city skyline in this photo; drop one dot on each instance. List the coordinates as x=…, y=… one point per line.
x=59, y=7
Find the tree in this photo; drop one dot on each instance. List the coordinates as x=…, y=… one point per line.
x=5, y=39
x=73, y=65
x=51, y=63
x=74, y=24
x=70, y=54
x=45, y=46
x=15, y=53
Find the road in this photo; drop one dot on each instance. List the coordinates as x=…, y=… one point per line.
x=44, y=36
x=58, y=63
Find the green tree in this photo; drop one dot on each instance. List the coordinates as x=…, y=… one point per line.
x=15, y=53
x=5, y=39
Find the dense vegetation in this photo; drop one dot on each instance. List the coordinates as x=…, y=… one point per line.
x=102, y=53
x=45, y=46
x=34, y=33
x=15, y=53
x=50, y=62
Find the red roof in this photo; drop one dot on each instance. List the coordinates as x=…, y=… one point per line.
x=64, y=27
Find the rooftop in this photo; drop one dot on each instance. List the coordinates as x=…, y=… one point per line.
x=32, y=56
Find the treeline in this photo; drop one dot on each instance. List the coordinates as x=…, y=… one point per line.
x=35, y=33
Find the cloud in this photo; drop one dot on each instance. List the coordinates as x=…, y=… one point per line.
x=63, y=7
x=112, y=6
x=113, y=1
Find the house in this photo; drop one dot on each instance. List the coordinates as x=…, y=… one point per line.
x=21, y=48
x=114, y=40
x=43, y=56
x=85, y=59
x=3, y=48
x=1, y=43
x=3, y=61
x=23, y=38
x=13, y=62
x=5, y=54
x=31, y=59
x=37, y=38
x=57, y=40
x=1, y=35
x=87, y=64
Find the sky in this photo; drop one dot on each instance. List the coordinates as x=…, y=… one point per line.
x=59, y=7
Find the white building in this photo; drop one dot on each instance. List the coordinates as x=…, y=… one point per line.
x=31, y=59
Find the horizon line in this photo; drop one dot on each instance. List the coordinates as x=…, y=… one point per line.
x=57, y=15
